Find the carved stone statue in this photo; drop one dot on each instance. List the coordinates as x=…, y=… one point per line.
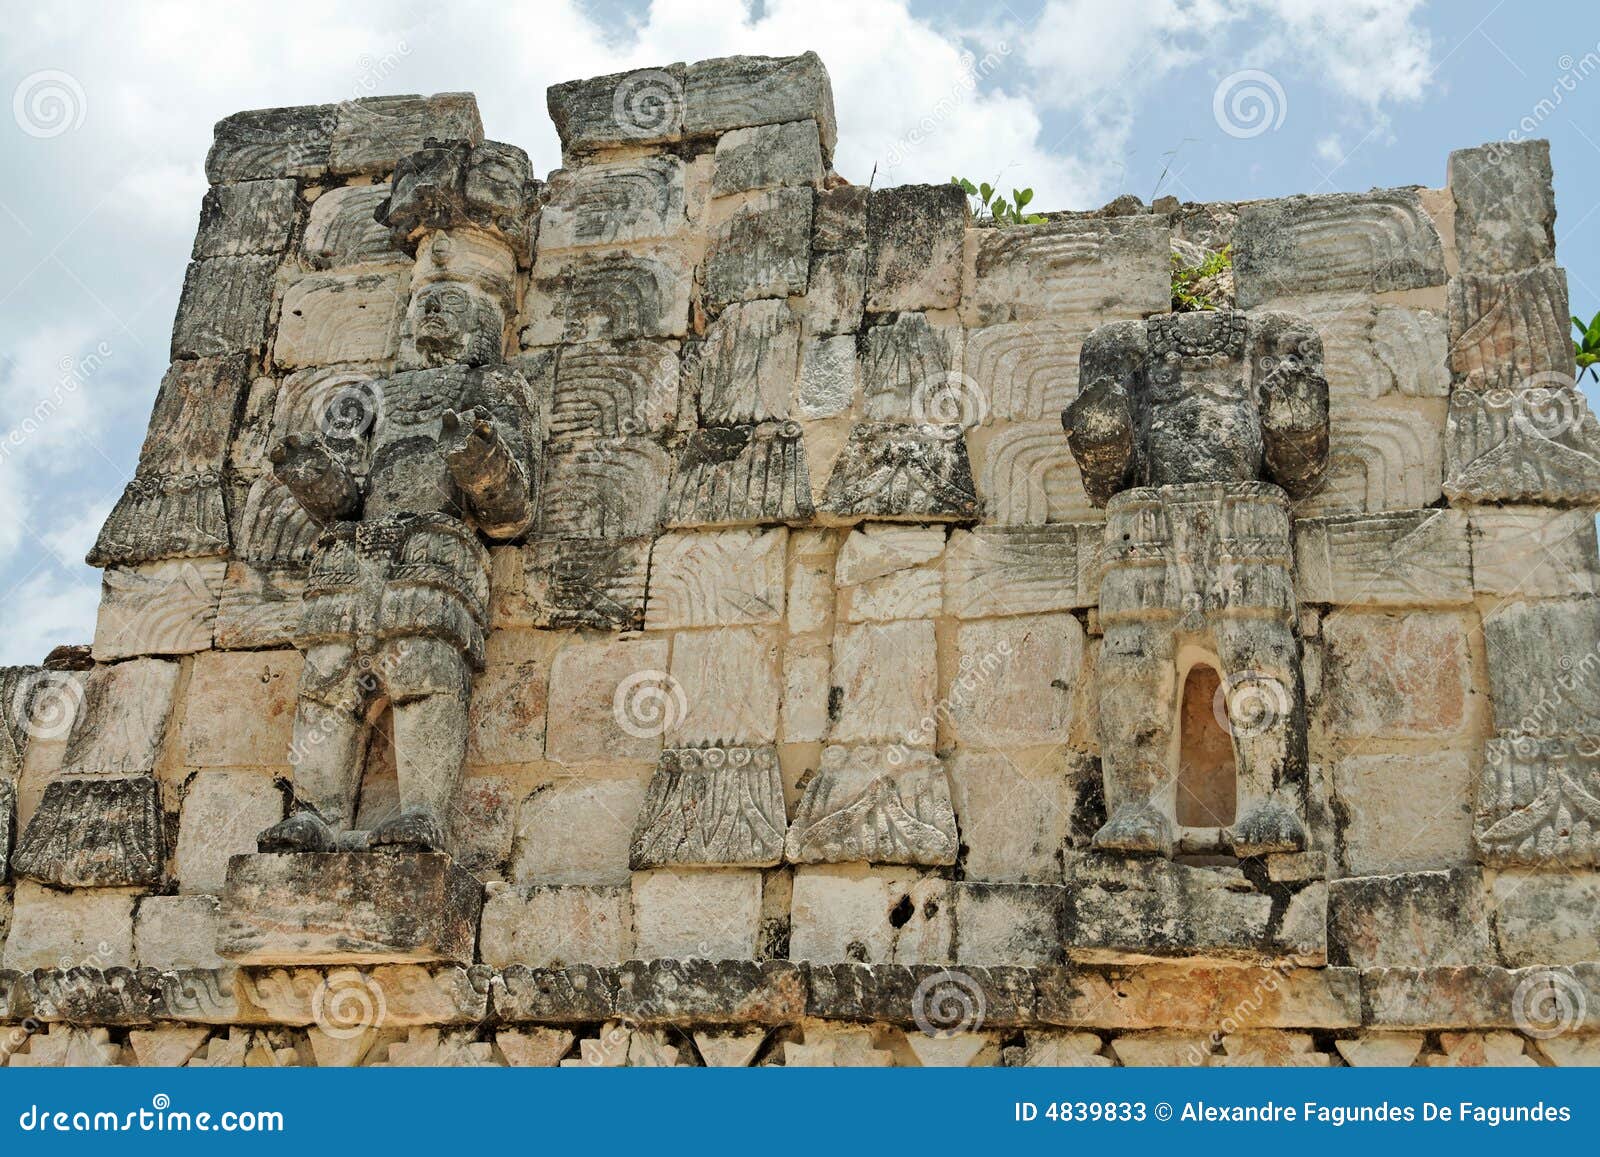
x=396, y=603
x=1194, y=431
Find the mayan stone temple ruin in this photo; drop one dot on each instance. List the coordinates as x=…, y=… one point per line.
x=694, y=609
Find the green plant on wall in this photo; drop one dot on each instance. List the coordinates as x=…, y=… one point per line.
x=1188, y=281
x=1587, y=346
x=990, y=204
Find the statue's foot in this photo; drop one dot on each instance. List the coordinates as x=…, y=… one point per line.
x=1266, y=828
x=413, y=830
x=1138, y=830
x=302, y=832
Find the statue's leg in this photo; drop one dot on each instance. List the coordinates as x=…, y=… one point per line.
x=1266, y=717
x=1138, y=684
x=429, y=684
x=326, y=754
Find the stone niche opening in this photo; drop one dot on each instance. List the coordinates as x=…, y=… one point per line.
x=1208, y=778
x=379, y=797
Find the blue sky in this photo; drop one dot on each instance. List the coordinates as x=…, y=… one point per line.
x=112, y=107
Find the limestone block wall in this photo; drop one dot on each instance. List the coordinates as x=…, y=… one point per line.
x=807, y=511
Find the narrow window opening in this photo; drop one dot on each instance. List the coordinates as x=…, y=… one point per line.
x=1207, y=777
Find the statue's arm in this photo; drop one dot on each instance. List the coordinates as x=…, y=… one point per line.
x=320, y=482
x=1292, y=395
x=1099, y=426
x=487, y=453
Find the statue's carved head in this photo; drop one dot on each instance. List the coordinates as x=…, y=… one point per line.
x=452, y=323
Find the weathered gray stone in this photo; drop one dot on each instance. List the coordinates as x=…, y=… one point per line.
x=626, y=108
x=1543, y=918
x=93, y=994
x=87, y=929
x=909, y=374
x=717, y=806
x=611, y=202
x=246, y=217
x=1511, y=331
x=91, y=832
x=1373, y=242
x=1539, y=445
x=1541, y=665
x=1019, y=570
x=876, y=804
x=836, y=294
x=1024, y=371
x=1534, y=551
x=725, y=578
x=343, y=231
x=1403, y=812
x=737, y=92
x=1080, y=272
x=615, y=389
x=555, y=925
x=884, y=683
x=1505, y=206
x=172, y=932
x=1415, y=920
x=840, y=221
x=698, y=913
x=1412, y=557
x=454, y=183
x=1377, y=350
x=761, y=249
x=608, y=295
x=829, y=377
x=1008, y=924
x=915, y=473
x=874, y=915
x=741, y=475
x=372, y=133
x=767, y=156
x=224, y=308
x=747, y=365
x=1129, y=910
x=8, y=828
x=272, y=142
x=999, y=997
x=604, y=488
x=586, y=582
x=344, y=908
x=1538, y=801
x=1017, y=814
x=914, y=238
x=222, y=813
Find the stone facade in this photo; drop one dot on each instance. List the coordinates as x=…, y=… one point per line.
x=654, y=615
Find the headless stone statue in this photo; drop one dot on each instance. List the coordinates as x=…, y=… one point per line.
x=396, y=602
x=1194, y=431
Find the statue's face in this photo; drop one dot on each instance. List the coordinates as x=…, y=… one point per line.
x=452, y=323
x=496, y=178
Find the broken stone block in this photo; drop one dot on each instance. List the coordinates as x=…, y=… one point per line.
x=51, y=928
x=1414, y=920
x=1404, y=813
x=1062, y=1050
x=608, y=295
x=1396, y=675
x=1403, y=558
x=534, y=1047
x=1505, y=206
x=724, y=578
x=626, y=108
x=342, y=230
x=836, y=293
x=1015, y=680
x=729, y=1048
x=162, y=608
x=870, y=916
x=611, y=700
x=1162, y=1050
x=615, y=389
x=224, y=308
x=223, y=812
x=604, y=488
x=1078, y=272
x=716, y=806
x=1543, y=919
x=748, y=363
x=1510, y=331
x=730, y=682
x=914, y=473
x=1130, y=910
x=577, y=831
x=1374, y=350
x=372, y=133
x=61, y=1046
x=246, y=217
x=1018, y=570
x=340, y=317
x=914, y=238
x=1539, y=653
x=177, y=932
x=829, y=375
x=272, y=142
x=585, y=582
x=761, y=249
x=696, y=913
x=878, y=549
x=741, y=475
x=554, y=925
x=840, y=222
x=348, y=908
x=1372, y=242
x=1535, y=801
x=768, y=156
x=1013, y=924
x=611, y=202
x=240, y=709
x=1538, y=445
x=885, y=805
x=884, y=680
x=1016, y=814
x=1534, y=552
x=736, y=92
x=908, y=374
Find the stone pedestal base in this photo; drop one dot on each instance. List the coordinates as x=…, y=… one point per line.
x=349, y=908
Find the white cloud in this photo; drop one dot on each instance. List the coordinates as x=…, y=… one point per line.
x=45, y=611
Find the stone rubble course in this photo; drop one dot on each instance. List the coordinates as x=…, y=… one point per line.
x=687, y=608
